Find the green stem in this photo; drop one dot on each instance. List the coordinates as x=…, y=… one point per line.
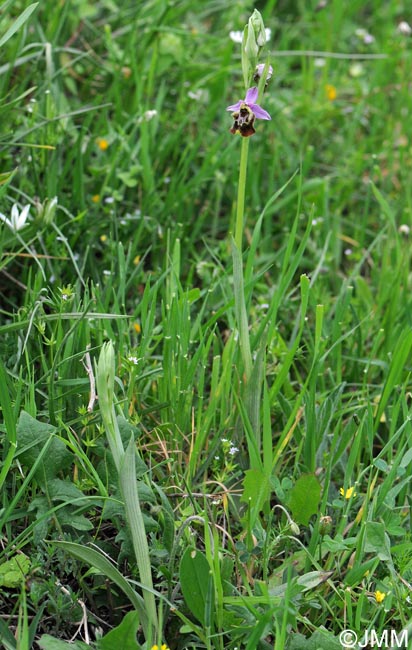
x=241, y=190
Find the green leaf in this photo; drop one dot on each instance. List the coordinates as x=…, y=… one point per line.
x=59, y=490
x=78, y=522
x=98, y=561
x=304, y=498
x=256, y=492
x=6, y=637
x=32, y=435
x=320, y=640
x=194, y=579
x=14, y=571
x=47, y=642
x=19, y=22
x=355, y=575
x=123, y=636
x=313, y=579
x=377, y=541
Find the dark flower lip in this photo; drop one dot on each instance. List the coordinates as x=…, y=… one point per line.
x=243, y=121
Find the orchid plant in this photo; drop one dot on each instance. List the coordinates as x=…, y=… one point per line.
x=244, y=113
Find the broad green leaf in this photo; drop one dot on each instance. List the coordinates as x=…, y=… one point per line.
x=320, y=640
x=32, y=435
x=59, y=490
x=14, y=571
x=377, y=541
x=78, y=522
x=304, y=498
x=47, y=642
x=123, y=636
x=194, y=579
x=313, y=579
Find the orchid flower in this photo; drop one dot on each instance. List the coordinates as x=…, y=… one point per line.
x=17, y=219
x=244, y=113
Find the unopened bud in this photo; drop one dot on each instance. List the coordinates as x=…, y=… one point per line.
x=256, y=25
x=294, y=528
x=46, y=210
x=325, y=525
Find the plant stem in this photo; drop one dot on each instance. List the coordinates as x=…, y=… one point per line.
x=240, y=208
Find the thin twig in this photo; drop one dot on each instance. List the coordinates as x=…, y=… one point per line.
x=87, y=363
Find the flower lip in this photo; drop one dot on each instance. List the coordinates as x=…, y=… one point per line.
x=249, y=102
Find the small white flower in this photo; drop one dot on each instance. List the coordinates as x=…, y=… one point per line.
x=233, y=450
x=404, y=229
x=133, y=360
x=17, y=219
x=236, y=37
x=319, y=62
x=356, y=70
x=404, y=28
x=147, y=116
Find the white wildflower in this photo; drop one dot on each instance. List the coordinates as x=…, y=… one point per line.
x=147, y=116
x=404, y=28
x=236, y=37
x=17, y=219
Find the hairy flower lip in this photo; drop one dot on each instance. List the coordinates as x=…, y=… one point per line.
x=249, y=101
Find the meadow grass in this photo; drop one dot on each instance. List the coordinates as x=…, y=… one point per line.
x=206, y=427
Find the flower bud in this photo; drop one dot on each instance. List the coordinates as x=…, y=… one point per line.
x=257, y=26
x=295, y=530
x=46, y=210
x=254, y=38
x=325, y=525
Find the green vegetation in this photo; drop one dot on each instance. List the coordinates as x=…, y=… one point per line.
x=205, y=411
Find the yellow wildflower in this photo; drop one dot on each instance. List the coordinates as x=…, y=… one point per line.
x=137, y=328
x=162, y=647
x=136, y=260
x=379, y=596
x=96, y=198
x=103, y=238
x=350, y=492
x=102, y=143
x=331, y=92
